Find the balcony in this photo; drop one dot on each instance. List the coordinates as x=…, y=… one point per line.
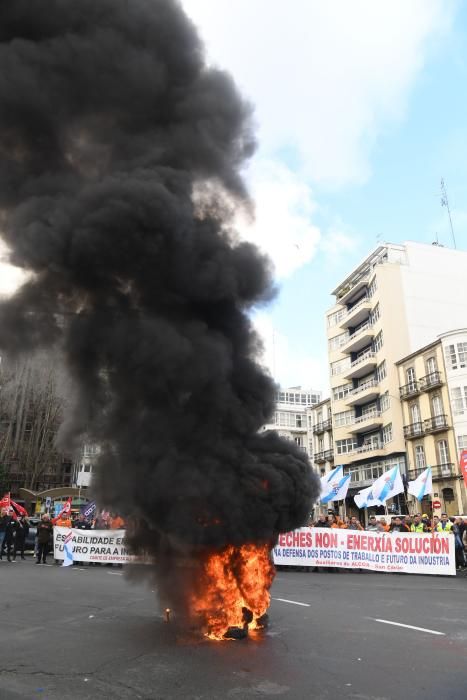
x=361, y=366
x=436, y=423
x=346, y=294
x=364, y=393
x=414, y=430
x=409, y=390
x=438, y=471
x=358, y=313
x=430, y=381
x=329, y=455
x=324, y=456
x=360, y=338
x=366, y=423
x=322, y=426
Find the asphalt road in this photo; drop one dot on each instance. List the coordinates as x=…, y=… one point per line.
x=79, y=634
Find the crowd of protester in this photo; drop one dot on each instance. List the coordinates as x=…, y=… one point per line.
x=14, y=530
x=418, y=523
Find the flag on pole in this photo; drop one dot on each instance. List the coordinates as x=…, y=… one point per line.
x=5, y=501
x=365, y=498
x=338, y=488
x=326, y=480
x=463, y=465
x=421, y=485
x=19, y=509
x=388, y=485
x=66, y=510
x=68, y=550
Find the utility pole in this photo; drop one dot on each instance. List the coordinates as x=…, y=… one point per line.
x=445, y=203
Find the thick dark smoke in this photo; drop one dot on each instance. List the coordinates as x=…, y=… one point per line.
x=110, y=123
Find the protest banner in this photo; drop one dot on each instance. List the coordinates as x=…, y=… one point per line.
x=106, y=546
x=396, y=552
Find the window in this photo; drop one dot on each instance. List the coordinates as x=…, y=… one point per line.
x=346, y=446
x=443, y=451
x=436, y=406
x=87, y=468
x=298, y=441
x=456, y=359
x=338, y=341
x=431, y=365
x=457, y=402
x=462, y=351
x=374, y=316
x=339, y=366
x=344, y=418
x=462, y=442
x=378, y=342
x=340, y=392
x=320, y=444
x=420, y=461
x=410, y=375
x=381, y=371
x=448, y=495
x=369, y=408
x=384, y=402
x=415, y=413
x=387, y=433
x=372, y=287
x=335, y=317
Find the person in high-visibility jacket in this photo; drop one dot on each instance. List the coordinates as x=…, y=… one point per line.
x=418, y=525
x=444, y=525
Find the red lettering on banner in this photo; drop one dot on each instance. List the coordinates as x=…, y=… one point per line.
x=326, y=539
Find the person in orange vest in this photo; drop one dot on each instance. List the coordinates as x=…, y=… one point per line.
x=116, y=522
x=63, y=521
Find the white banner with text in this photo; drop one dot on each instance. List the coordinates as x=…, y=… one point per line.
x=396, y=552
x=106, y=546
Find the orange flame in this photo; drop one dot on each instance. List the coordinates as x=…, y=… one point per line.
x=231, y=580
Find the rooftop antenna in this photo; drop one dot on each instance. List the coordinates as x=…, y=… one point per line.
x=445, y=203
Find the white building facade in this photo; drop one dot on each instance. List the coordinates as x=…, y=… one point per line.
x=293, y=417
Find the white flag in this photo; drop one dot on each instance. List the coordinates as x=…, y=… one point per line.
x=388, y=485
x=68, y=550
x=366, y=499
x=327, y=479
x=421, y=485
x=338, y=489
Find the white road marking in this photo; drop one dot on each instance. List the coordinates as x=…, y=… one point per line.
x=410, y=627
x=294, y=602
x=114, y=573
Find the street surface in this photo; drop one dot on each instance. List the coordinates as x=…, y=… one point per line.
x=79, y=634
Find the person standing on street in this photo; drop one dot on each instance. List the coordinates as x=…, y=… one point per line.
x=44, y=531
x=397, y=525
x=21, y=534
x=418, y=525
x=354, y=524
x=444, y=525
x=3, y=524
x=10, y=534
x=373, y=524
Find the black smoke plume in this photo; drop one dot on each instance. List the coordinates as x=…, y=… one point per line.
x=121, y=156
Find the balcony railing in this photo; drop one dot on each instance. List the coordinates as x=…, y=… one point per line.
x=432, y=425
x=319, y=457
x=322, y=426
x=357, y=306
x=430, y=381
x=363, y=387
x=367, y=416
x=368, y=355
x=438, y=471
x=409, y=390
x=366, y=448
x=329, y=455
x=414, y=430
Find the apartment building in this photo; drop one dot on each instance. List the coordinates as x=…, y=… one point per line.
x=323, y=444
x=428, y=423
x=293, y=418
x=397, y=300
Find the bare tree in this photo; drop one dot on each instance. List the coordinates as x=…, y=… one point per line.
x=31, y=411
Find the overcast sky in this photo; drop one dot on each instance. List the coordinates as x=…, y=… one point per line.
x=360, y=108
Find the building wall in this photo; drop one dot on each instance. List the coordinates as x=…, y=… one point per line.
x=292, y=417
x=371, y=385
x=428, y=426
x=435, y=291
